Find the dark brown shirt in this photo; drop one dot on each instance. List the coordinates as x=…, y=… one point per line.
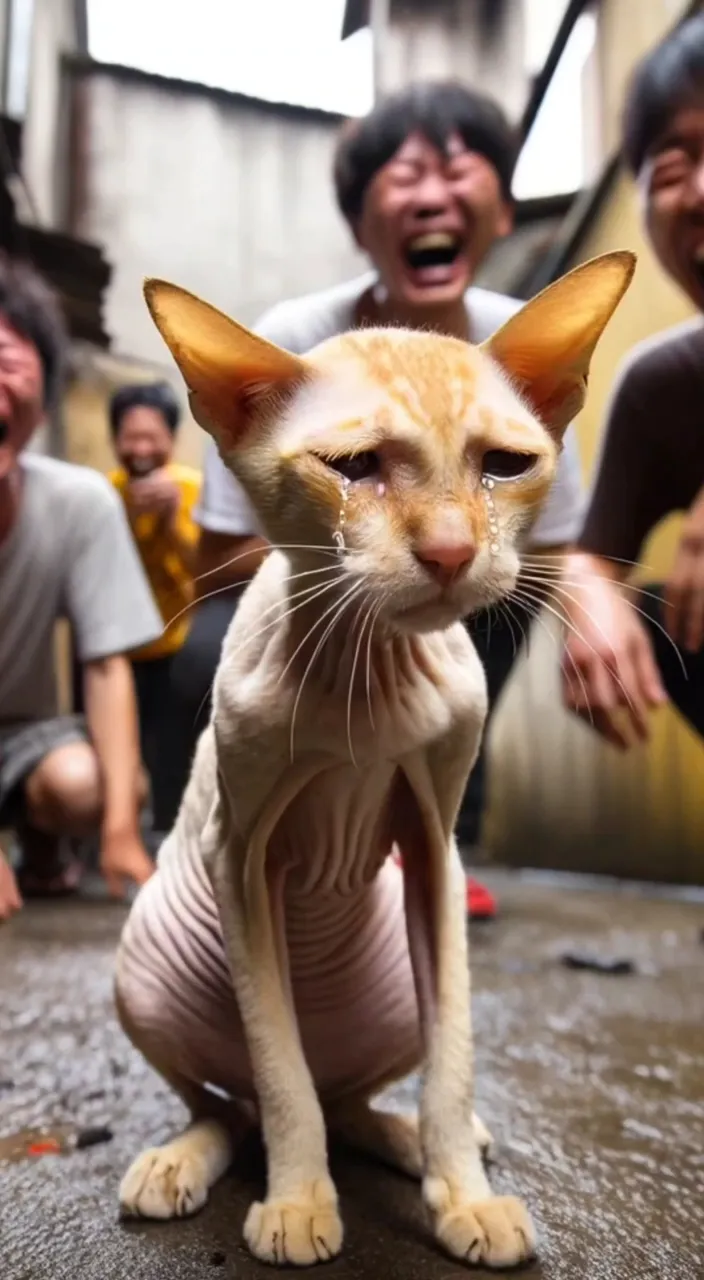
x=652, y=457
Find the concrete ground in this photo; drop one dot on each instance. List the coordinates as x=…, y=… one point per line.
x=593, y=1085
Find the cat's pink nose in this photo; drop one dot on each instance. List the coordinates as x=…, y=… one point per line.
x=446, y=560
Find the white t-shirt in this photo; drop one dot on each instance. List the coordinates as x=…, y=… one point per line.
x=69, y=555
x=299, y=325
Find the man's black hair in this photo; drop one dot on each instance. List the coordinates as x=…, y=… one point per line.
x=30, y=307
x=148, y=395
x=670, y=77
x=436, y=110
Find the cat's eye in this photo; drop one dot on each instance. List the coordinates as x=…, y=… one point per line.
x=356, y=466
x=505, y=464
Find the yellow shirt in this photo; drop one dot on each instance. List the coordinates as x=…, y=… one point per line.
x=171, y=579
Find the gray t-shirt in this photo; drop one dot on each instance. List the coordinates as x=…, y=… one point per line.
x=70, y=554
x=299, y=325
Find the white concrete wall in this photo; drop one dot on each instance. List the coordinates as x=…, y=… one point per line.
x=443, y=39
x=227, y=197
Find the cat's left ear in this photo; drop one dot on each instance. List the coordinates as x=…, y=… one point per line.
x=229, y=371
x=546, y=348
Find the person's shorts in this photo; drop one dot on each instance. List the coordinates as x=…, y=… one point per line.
x=23, y=746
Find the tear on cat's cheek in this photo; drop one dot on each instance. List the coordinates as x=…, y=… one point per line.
x=492, y=516
x=380, y=489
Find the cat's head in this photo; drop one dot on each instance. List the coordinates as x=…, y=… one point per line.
x=430, y=457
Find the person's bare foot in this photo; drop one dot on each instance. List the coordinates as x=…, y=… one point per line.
x=10, y=896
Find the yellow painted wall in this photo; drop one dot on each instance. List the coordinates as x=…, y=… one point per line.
x=559, y=797
x=96, y=376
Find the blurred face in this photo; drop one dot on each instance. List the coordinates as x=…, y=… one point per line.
x=672, y=179
x=21, y=394
x=144, y=441
x=429, y=219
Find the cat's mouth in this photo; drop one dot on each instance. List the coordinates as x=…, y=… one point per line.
x=434, y=257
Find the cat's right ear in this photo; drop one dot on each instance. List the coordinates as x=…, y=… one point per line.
x=229, y=371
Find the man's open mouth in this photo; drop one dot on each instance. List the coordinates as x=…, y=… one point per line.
x=434, y=249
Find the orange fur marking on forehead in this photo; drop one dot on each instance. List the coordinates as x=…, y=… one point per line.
x=431, y=378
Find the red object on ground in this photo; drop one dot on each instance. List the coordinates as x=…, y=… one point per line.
x=481, y=905
x=48, y=1147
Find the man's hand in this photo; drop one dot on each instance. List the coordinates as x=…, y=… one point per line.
x=156, y=494
x=684, y=590
x=10, y=897
x=124, y=859
x=609, y=674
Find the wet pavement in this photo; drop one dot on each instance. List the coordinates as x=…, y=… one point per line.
x=592, y=1083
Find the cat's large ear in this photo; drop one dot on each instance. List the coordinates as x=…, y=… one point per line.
x=546, y=348
x=228, y=370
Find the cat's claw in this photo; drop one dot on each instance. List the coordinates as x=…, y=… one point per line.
x=297, y=1231
x=159, y=1185
x=496, y=1232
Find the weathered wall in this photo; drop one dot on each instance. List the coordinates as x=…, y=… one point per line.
x=54, y=34
x=559, y=797
x=226, y=196
x=445, y=38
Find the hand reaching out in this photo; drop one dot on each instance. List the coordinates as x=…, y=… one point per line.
x=609, y=674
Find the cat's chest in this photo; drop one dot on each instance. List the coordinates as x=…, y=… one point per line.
x=337, y=832
x=374, y=710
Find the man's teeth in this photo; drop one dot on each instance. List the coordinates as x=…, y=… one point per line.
x=433, y=240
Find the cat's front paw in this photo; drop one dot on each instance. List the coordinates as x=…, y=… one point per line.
x=162, y=1185
x=297, y=1231
x=496, y=1232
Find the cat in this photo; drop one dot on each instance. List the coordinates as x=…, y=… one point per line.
x=280, y=966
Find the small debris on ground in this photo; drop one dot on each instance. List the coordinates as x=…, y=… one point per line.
x=44, y=1147
x=217, y=1258
x=92, y=1137
x=612, y=965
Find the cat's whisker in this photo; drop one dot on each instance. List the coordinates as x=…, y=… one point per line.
x=554, y=641
x=312, y=628
x=350, y=693
x=369, y=659
x=522, y=630
x=305, y=596
x=339, y=607
x=552, y=580
x=560, y=588
x=537, y=559
x=228, y=587
x=567, y=622
x=309, y=593
x=504, y=608
x=273, y=546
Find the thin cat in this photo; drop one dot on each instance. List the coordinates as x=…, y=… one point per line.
x=280, y=956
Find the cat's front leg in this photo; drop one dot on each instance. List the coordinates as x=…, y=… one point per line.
x=298, y=1223
x=470, y=1221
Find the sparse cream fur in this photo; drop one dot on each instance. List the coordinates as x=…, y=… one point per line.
x=318, y=763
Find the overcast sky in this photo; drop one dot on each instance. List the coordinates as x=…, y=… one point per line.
x=283, y=50
x=291, y=51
